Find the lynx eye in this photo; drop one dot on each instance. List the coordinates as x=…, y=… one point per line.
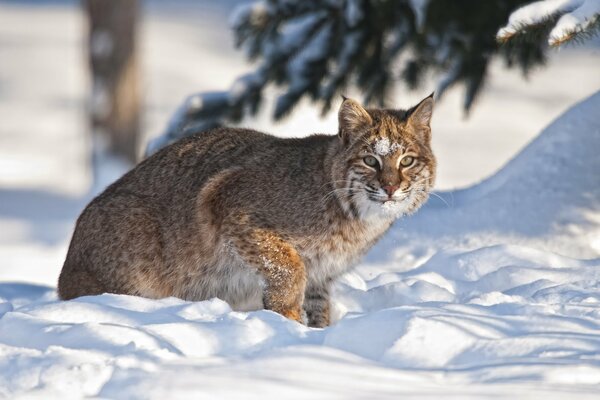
x=371, y=161
x=407, y=161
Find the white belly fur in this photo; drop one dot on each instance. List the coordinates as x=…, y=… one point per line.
x=242, y=286
x=237, y=284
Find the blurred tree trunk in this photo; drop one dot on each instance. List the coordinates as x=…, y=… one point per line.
x=114, y=110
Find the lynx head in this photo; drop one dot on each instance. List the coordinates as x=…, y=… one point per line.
x=385, y=166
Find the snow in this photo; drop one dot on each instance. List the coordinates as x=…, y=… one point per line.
x=420, y=9
x=491, y=321
x=575, y=16
x=585, y=14
x=353, y=12
x=418, y=316
x=490, y=291
x=494, y=320
x=315, y=49
x=383, y=147
x=253, y=12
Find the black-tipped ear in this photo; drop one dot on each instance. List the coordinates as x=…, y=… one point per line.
x=352, y=117
x=420, y=115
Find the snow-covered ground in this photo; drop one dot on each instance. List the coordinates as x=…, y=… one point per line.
x=490, y=291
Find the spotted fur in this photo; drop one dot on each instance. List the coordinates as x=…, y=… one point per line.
x=258, y=221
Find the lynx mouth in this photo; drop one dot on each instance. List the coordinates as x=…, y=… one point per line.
x=391, y=207
x=383, y=200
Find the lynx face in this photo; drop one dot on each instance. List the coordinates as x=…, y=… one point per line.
x=390, y=165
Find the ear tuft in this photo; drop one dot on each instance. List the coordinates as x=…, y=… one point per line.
x=420, y=115
x=352, y=117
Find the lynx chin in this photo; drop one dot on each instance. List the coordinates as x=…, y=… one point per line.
x=258, y=221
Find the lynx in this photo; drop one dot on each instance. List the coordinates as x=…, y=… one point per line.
x=256, y=220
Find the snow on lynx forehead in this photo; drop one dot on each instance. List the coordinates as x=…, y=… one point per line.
x=383, y=146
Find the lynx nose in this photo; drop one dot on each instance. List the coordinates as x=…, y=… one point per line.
x=390, y=189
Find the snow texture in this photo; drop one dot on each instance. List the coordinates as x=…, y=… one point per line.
x=575, y=21
x=462, y=300
x=575, y=16
x=253, y=12
x=383, y=147
x=494, y=294
x=315, y=50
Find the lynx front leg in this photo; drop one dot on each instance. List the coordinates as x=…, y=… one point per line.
x=316, y=304
x=282, y=269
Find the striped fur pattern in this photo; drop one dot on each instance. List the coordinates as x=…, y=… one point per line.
x=258, y=221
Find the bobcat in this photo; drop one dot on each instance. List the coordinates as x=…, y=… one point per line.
x=258, y=221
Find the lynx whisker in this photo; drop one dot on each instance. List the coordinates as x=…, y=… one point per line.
x=421, y=180
x=441, y=198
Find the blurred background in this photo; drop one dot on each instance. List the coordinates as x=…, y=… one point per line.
x=61, y=141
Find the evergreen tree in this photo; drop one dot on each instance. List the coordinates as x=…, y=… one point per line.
x=319, y=48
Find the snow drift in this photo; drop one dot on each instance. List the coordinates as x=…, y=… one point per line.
x=493, y=291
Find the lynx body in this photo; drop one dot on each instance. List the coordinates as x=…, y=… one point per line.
x=258, y=221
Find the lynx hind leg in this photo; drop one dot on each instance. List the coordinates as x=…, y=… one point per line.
x=281, y=268
x=317, y=305
x=116, y=248
x=75, y=282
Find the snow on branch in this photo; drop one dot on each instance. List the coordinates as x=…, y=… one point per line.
x=563, y=20
x=199, y=112
x=320, y=49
